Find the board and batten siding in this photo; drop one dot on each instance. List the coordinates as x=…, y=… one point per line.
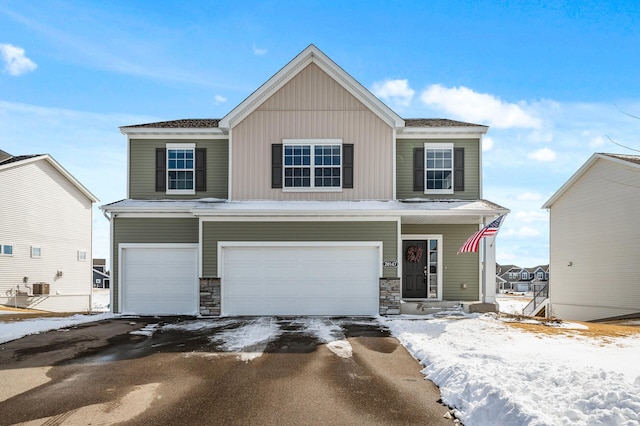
x=149, y=231
x=312, y=106
x=404, y=159
x=142, y=168
x=457, y=268
x=595, y=225
x=42, y=208
x=297, y=231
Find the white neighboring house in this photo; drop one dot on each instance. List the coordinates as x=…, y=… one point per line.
x=45, y=235
x=595, y=240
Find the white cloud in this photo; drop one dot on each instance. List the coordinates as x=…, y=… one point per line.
x=597, y=141
x=259, y=52
x=487, y=143
x=220, y=99
x=542, y=154
x=531, y=216
x=15, y=61
x=529, y=196
x=524, y=232
x=397, y=91
x=483, y=108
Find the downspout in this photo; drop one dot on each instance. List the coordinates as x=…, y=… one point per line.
x=112, y=280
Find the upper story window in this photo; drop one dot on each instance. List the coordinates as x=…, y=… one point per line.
x=513, y=275
x=540, y=275
x=181, y=168
x=524, y=275
x=82, y=255
x=6, y=249
x=438, y=168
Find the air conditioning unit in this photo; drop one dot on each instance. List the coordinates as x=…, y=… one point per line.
x=40, y=288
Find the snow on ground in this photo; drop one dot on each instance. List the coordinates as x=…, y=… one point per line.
x=15, y=330
x=100, y=299
x=492, y=372
x=489, y=370
x=512, y=304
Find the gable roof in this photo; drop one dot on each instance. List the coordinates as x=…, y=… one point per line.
x=27, y=159
x=4, y=155
x=628, y=160
x=311, y=55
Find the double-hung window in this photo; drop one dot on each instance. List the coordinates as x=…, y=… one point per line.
x=438, y=168
x=312, y=164
x=181, y=168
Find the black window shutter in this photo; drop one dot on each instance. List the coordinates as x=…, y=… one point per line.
x=347, y=165
x=201, y=169
x=418, y=169
x=161, y=169
x=276, y=165
x=458, y=169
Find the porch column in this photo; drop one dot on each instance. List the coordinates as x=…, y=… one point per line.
x=489, y=277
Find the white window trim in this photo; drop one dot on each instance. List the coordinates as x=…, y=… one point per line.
x=34, y=256
x=312, y=143
x=80, y=259
x=2, y=246
x=449, y=146
x=523, y=276
x=98, y=281
x=191, y=146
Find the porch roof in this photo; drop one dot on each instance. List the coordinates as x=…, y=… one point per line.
x=415, y=211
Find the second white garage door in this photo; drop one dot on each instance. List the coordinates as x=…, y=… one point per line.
x=300, y=279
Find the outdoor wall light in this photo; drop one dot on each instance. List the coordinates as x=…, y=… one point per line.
x=569, y=263
x=463, y=285
x=59, y=274
x=25, y=279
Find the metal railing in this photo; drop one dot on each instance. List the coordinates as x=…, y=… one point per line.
x=538, y=299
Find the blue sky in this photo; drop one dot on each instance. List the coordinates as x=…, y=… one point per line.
x=552, y=79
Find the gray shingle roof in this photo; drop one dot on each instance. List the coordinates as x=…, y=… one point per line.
x=194, y=123
x=437, y=122
x=630, y=158
x=191, y=123
x=18, y=158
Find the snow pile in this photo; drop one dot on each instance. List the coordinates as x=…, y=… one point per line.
x=512, y=304
x=147, y=330
x=251, y=339
x=15, y=330
x=493, y=373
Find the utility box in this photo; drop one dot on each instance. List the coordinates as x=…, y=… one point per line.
x=40, y=288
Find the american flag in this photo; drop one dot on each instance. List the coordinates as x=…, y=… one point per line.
x=471, y=245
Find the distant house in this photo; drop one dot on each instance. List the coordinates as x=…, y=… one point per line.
x=45, y=235
x=516, y=278
x=101, y=277
x=595, y=240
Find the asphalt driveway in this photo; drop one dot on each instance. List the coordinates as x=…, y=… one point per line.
x=240, y=371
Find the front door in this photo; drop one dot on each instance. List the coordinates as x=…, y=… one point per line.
x=421, y=278
x=414, y=268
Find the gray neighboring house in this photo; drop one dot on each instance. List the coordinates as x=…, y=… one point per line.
x=45, y=235
x=311, y=197
x=595, y=240
x=516, y=278
x=101, y=277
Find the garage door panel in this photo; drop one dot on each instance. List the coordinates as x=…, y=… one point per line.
x=304, y=280
x=160, y=280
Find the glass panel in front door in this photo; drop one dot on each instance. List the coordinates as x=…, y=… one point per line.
x=432, y=276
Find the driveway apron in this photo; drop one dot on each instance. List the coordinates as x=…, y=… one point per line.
x=222, y=371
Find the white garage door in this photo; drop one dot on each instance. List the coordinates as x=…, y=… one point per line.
x=159, y=280
x=300, y=279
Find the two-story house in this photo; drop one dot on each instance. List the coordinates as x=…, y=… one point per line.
x=311, y=197
x=516, y=278
x=45, y=235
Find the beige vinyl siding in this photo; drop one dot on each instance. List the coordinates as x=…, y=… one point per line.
x=142, y=168
x=297, y=231
x=457, y=268
x=312, y=106
x=42, y=208
x=404, y=158
x=595, y=225
x=148, y=230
